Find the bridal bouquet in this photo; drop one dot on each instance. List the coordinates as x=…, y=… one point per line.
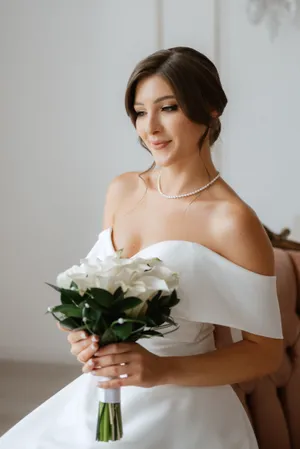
x=119, y=300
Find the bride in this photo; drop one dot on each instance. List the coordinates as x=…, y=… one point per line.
x=177, y=390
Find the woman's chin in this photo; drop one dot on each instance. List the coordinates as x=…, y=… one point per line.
x=163, y=160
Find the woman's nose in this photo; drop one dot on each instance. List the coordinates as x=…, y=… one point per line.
x=153, y=125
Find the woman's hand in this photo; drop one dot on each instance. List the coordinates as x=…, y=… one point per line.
x=82, y=345
x=142, y=368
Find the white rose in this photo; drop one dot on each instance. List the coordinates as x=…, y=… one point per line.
x=82, y=275
x=137, y=277
x=144, y=281
x=63, y=281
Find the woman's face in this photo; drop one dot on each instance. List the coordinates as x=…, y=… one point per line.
x=161, y=124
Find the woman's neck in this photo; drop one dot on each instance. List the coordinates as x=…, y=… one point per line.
x=184, y=178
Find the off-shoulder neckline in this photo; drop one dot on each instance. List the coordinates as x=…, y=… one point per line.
x=197, y=245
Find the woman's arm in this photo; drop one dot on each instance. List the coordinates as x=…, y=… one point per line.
x=246, y=360
x=241, y=239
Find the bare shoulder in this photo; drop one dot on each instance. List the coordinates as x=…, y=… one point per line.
x=241, y=237
x=120, y=188
x=127, y=181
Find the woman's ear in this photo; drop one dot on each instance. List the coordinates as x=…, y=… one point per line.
x=214, y=114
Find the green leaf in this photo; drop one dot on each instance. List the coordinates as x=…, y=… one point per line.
x=153, y=333
x=170, y=300
x=108, y=337
x=156, y=297
x=127, y=303
x=102, y=297
x=123, y=330
x=137, y=328
x=134, y=320
x=149, y=321
x=70, y=323
x=134, y=337
x=118, y=294
x=81, y=304
x=67, y=296
x=145, y=334
x=98, y=327
x=94, y=304
x=157, y=317
x=68, y=310
x=166, y=311
x=89, y=313
x=70, y=297
x=58, y=289
x=169, y=320
x=83, y=327
x=155, y=311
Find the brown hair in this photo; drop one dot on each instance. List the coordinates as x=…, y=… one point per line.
x=195, y=82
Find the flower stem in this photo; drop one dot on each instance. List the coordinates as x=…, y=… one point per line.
x=109, y=423
x=106, y=426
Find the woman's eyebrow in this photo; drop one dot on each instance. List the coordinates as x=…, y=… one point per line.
x=165, y=97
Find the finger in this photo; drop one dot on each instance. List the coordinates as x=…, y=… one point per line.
x=109, y=360
x=91, y=364
x=119, y=382
x=113, y=371
x=116, y=348
x=78, y=347
x=88, y=366
x=61, y=328
x=113, y=359
x=87, y=353
x=76, y=336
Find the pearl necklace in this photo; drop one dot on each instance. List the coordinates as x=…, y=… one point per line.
x=183, y=195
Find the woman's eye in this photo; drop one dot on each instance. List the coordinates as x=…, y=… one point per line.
x=174, y=107
x=170, y=108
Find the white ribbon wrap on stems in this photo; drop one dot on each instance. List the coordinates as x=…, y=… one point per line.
x=108, y=395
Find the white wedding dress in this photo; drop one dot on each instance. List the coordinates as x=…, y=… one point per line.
x=212, y=290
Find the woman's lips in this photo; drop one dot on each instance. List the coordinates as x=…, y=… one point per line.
x=160, y=144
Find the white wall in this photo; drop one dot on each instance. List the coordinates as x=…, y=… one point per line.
x=64, y=135
x=64, y=132
x=261, y=141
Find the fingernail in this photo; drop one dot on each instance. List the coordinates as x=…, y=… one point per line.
x=93, y=346
x=90, y=362
x=83, y=335
x=95, y=338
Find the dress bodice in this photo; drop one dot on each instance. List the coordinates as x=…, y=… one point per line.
x=212, y=290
